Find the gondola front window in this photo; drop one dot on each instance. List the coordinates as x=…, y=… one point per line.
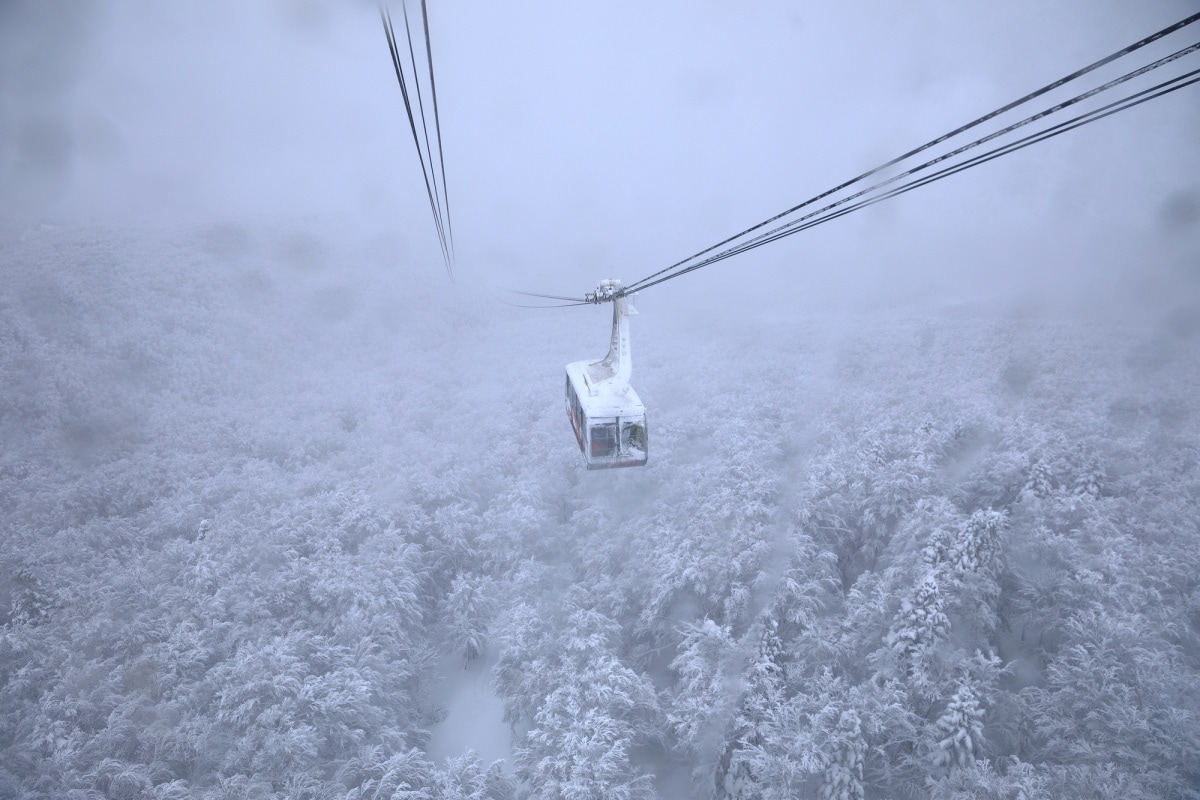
x=604, y=439
x=633, y=435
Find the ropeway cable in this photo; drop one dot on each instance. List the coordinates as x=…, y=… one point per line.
x=1120, y=105
x=434, y=192
x=649, y=280
x=569, y=301
x=551, y=305
x=437, y=124
x=385, y=16
x=822, y=215
x=425, y=170
x=1049, y=87
x=412, y=59
x=1112, y=108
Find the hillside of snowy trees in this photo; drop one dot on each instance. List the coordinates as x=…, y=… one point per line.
x=266, y=499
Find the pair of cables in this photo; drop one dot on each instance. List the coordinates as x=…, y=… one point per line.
x=433, y=165
x=1038, y=127
x=1041, y=126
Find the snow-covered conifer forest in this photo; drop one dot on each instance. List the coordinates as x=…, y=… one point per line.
x=284, y=513
x=257, y=521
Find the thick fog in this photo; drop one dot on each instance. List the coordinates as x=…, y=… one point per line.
x=284, y=512
x=583, y=141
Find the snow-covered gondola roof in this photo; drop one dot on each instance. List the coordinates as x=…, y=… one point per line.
x=604, y=398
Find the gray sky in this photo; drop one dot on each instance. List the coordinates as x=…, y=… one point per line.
x=589, y=139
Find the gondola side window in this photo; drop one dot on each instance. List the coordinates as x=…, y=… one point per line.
x=572, y=400
x=575, y=411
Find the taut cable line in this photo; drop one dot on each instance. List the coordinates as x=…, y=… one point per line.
x=817, y=217
x=822, y=215
x=439, y=202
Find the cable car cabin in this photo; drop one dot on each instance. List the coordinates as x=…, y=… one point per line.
x=608, y=417
x=610, y=427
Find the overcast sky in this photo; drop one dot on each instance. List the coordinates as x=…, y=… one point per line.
x=610, y=138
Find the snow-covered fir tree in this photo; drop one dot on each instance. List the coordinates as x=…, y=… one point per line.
x=1040, y=483
x=843, y=777
x=921, y=622
x=762, y=693
x=960, y=728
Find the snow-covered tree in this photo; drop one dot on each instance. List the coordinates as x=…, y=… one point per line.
x=705, y=698
x=1040, y=483
x=976, y=550
x=468, y=614
x=921, y=622
x=960, y=728
x=590, y=710
x=466, y=778
x=843, y=778
x=1089, y=478
x=762, y=692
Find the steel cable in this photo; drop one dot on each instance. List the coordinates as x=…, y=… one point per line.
x=821, y=215
x=424, y=155
x=673, y=271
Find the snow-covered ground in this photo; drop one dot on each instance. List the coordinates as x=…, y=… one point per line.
x=474, y=714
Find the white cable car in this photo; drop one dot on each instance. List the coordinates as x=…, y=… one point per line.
x=606, y=413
